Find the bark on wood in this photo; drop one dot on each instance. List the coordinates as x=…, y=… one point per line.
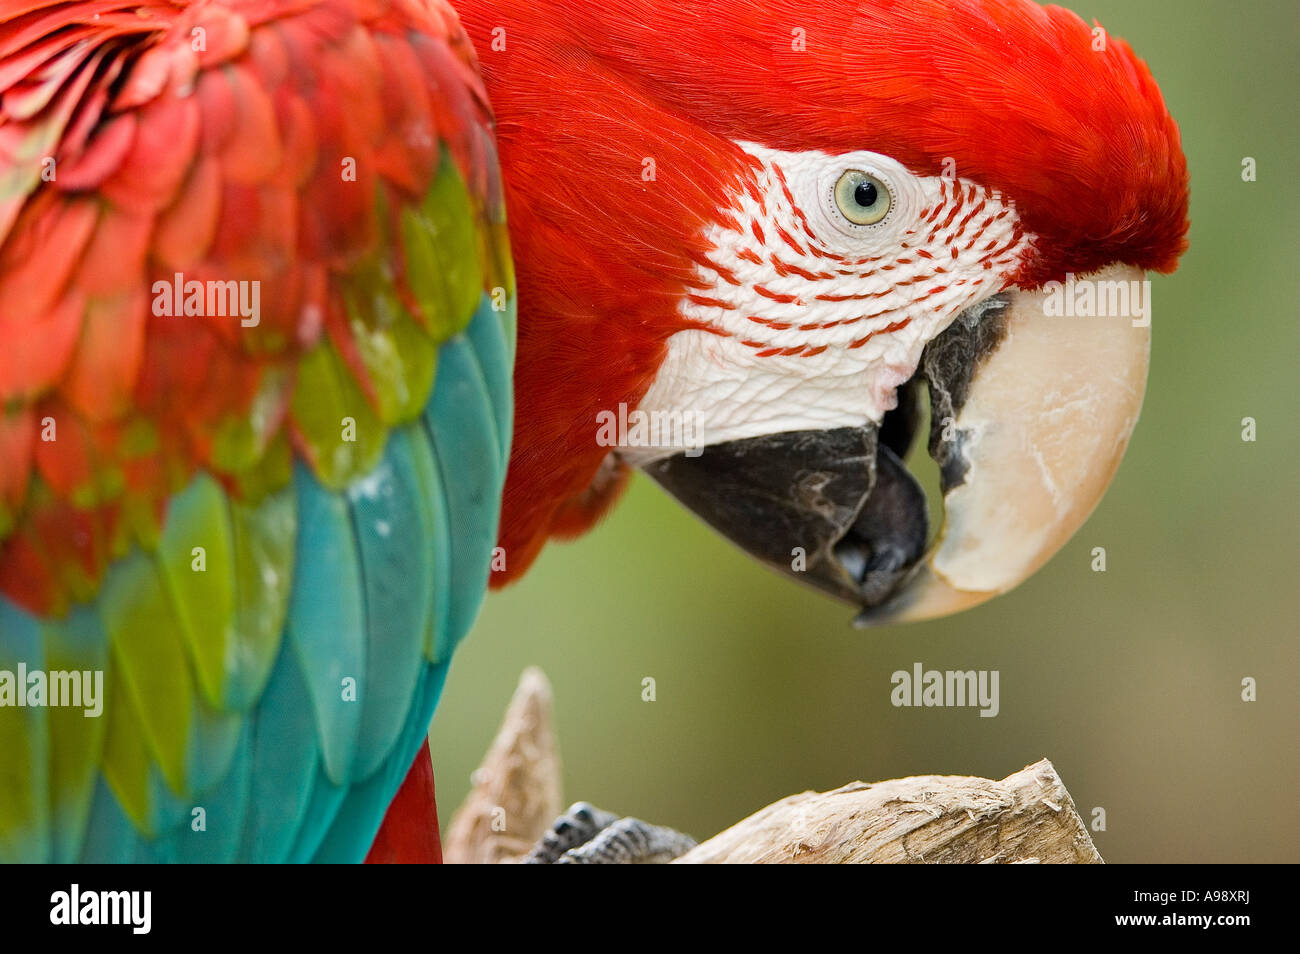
x=1027, y=817
x=516, y=791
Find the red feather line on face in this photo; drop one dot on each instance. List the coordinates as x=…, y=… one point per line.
x=958, y=231
x=1011, y=93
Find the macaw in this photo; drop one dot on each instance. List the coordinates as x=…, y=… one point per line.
x=267, y=434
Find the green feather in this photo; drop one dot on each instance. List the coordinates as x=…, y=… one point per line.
x=24, y=735
x=443, y=264
x=149, y=657
x=126, y=760
x=263, y=567
x=343, y=434
x=194, y=560
x=400, y=358
x=76, y=741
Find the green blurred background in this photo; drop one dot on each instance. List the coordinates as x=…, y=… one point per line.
x=1128, y=680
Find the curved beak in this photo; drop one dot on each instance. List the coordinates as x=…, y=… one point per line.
x=1033, y=398
x=1047, y=414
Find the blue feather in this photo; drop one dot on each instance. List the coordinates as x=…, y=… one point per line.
x=390, y=523
x=286, y=758
x=463, y=431
x=326, y=623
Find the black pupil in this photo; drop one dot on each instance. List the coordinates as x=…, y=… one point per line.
x=865, y=194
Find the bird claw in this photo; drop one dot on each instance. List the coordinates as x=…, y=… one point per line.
x=585, y=835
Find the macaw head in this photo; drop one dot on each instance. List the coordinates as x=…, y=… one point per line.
x=749, y=235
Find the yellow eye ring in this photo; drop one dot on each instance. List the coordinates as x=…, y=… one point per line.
x=862, y=198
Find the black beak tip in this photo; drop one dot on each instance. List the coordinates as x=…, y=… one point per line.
x=840, y=498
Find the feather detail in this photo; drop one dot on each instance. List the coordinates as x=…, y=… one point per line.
x=200, y=530
x=154, y=155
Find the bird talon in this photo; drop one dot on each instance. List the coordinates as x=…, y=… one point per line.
x=586, y=835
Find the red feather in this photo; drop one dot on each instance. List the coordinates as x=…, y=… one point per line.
x=409, y=834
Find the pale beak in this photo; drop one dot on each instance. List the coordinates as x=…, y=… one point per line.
x=1047, y=415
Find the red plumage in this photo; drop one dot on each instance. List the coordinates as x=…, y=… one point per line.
x=203, y=138
x=1012, y=94
x=223, y=162
x=409, y=834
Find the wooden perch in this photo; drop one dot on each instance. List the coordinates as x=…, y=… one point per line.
x=1027, y=817
x=516, y=791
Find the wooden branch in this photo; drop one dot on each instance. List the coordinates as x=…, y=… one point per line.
x=1027, y=817
x=516, y=791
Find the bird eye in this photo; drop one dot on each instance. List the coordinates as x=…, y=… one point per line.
x=862, y=199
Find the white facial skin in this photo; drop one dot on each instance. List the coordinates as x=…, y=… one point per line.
x=815, y=320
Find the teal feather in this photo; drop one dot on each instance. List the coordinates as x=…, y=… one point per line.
x=437, y=536
x=370, y=799
x=111, y=838
x=463, y=430
x=492, y=334
x=286, y=757
x=389, y=519
x=225, y=807
x=214, y=738
x=326, y=622
x=322, y=813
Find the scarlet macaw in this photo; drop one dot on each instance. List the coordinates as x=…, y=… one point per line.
x=257, y=315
